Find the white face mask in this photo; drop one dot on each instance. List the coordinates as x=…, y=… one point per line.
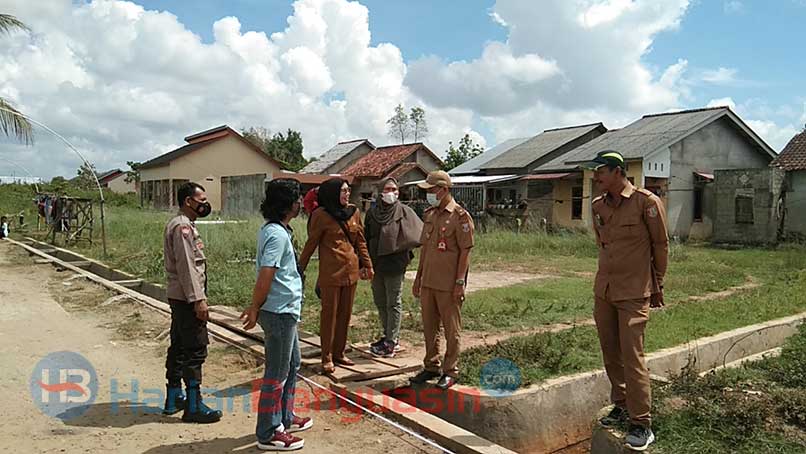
x=432, y=199
x=389, y=197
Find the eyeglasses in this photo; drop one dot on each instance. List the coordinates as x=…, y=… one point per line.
x=346, y=191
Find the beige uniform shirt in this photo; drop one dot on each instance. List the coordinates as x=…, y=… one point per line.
x=185, y=263
x=446, y=232
x=633, y=244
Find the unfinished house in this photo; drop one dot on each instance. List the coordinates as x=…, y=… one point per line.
x=792, y=160
x=672, y=154
x=231, y=169
x=339, y=157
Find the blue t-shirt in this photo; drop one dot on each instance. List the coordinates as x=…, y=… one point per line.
x=275, y=250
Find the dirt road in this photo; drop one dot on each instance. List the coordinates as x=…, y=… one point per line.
x=44, y=311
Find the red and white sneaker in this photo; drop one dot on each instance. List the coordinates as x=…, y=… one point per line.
x=299, y=424
x=282, y=441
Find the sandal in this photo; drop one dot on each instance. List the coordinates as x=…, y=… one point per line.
x=328, y=368
x=344, y=361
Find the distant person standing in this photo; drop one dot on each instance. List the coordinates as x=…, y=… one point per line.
x=3, y=227
x=186, y=268
x=630, y=226
x=276, y=305
x=440, y=283
x=337, y=231
x=392, y=230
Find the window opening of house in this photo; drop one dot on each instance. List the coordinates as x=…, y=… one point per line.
x=698, y=195
x=576, y=202
x=744, y=209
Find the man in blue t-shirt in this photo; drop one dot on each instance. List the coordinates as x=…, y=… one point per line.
x=276, y=305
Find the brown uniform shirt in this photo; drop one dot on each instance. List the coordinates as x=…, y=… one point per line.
x=452, y=227
x=338, y=260
x=185, y=263
x=633, y=244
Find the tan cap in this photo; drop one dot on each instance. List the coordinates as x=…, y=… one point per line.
x=436, y=178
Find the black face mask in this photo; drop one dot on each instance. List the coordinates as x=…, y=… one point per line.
x=203, y=209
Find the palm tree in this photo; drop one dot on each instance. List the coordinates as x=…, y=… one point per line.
x=11, y=122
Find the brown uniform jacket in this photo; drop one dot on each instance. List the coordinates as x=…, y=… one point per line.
x=633, y=244
x=338, y=259
x=185, y=263
x=453, y=226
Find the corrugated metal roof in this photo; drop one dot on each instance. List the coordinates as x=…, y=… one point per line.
x=474, y=165
x=793, y=156
x=538, y=146
x=332, y=155
x=640, y=138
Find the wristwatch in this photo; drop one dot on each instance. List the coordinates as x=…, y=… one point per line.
x=460, y=282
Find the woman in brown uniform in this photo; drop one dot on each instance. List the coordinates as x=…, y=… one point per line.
x=336, y=229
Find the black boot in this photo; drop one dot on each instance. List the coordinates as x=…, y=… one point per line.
x=196, y=411
x=175, y=400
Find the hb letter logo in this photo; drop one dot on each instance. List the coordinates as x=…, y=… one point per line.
x=63, y=385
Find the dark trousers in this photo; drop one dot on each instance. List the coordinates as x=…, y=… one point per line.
x=188, y=348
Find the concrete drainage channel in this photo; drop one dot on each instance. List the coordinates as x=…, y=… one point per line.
x=542, y=418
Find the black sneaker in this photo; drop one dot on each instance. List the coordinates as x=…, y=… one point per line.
x=639, y=438
x=423, y=377
x=617, y=415
x=385, y=350
x=377, y=343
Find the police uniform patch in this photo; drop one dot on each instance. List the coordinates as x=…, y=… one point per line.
x=466, y=227
x=652, y=211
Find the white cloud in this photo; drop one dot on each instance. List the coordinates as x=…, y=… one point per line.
x=583, y=59
x=720, y=76
x=719, y=102
x=733, y=7
x=124, y=83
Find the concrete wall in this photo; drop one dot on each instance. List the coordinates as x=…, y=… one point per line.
x=764, y=186
x=346, y=160
x=795, y=224
x=156, y=173
x=719, y=145
x=120, y=186
x=426, y=160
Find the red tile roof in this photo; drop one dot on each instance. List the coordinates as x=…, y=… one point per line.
x=793, y=157
x=383, y=160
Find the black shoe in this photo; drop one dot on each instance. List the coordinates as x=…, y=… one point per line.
x=175, y=400
x=196, y=411
x=617, y=415
x=423, y=377
x=639, y=438
x=446, y=382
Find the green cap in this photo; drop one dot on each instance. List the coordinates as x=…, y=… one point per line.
x=608, y=158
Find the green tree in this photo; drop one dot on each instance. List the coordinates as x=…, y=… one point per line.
x=286, y=148
x=11, y=123
x=86, y=177
x=456, y=156
x=399, y=126
x=418, y=124
x=133, y=174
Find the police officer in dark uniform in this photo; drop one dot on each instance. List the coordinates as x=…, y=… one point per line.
x=186, y=268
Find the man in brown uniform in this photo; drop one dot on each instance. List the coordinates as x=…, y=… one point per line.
x=440, y=283
x=186, y=268
x=630, y=226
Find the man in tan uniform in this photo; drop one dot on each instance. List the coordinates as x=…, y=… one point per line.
x=186, y=268
x=630, y=226
x=440, y=283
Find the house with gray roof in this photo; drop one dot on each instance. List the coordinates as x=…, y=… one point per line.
x=339, y=157
x=473, y=166
x=672, y=154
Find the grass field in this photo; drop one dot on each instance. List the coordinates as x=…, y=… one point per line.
x=758, y=408
x=135, y=246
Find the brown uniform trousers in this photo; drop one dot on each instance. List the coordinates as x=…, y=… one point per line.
x=633, y=253
x=339, y=261
x=446, y=232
